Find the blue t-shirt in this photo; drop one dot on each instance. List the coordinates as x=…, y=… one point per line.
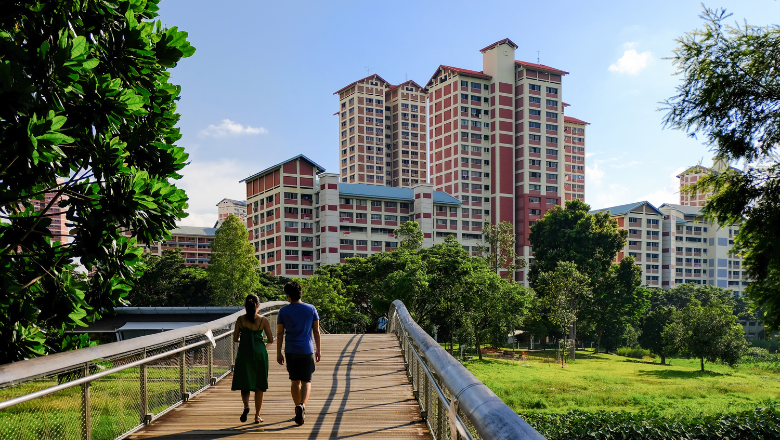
x=297, y=319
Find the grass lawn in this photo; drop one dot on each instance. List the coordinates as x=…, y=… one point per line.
x=615, y=383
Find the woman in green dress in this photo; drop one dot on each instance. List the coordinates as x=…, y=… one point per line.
x=251, y=369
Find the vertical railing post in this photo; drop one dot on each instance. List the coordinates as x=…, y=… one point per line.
x=183, y=372
x=144, y=392
x=210, y=355
x=232, y=352
x=86, y=407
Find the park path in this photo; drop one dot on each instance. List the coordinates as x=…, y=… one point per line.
x=360, y=390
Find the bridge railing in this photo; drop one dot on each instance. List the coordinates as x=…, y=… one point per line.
x=109, y=391
x=438, y=380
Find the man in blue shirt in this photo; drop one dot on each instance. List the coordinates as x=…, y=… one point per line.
x=298, y=323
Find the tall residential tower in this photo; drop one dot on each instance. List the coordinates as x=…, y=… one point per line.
x=500, y=143
x=382, y=133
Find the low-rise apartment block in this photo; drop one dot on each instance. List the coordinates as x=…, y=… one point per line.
x=301, y=218
x=644, y=224
x=698, y=251
x=674, y=244
x=193, y=241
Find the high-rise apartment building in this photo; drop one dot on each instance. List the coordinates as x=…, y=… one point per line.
x=382, y=133
x=693, y=175
x=500, y=143
x=229, y=206
x=57, y=227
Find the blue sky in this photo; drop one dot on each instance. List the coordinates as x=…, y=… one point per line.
x=260, y=87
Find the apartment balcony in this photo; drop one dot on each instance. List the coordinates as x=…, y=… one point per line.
x=634, y=224
x=635, y=247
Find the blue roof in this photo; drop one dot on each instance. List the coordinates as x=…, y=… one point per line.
x=271, y=168
x=194, y=230
x=389, y=192
x=624, y=209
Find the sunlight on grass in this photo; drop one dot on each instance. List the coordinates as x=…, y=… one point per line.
x=615, y=383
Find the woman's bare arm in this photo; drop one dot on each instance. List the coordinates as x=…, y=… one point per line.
x=237, y=330
x=267, y=327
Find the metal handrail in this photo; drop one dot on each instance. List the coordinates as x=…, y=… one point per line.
x=168, y=369
x=482, y=413
x=24, y=370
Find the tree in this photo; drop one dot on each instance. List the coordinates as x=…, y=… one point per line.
x=565, y=292
x=167, y=282
x=617, y=301
x=652, y=334
x=84, y=98
x=590, y=241
x=410, y=236
x=499, y=252
x=337, y=312
x=233, y=266
x=708, y=332
x=489, y=305
x=730, y=94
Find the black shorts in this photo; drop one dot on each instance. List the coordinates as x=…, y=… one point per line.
x=300, y=366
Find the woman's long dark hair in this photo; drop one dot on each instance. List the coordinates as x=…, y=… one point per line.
x=251, y=303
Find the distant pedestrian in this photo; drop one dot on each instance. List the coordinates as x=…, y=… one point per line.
x=300, y=324
x=251, y=370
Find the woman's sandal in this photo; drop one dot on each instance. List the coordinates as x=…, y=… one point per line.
x=243, y=415
x=258, y=419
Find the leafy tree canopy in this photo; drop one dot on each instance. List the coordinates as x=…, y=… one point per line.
x=730, y=94
x=87, y=113
x=167, y=282
x=499, y=248
x=410, y=236
x=233, y=265
x=590, y=241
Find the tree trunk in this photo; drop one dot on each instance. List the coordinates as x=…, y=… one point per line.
x=702, y=365
x=598, y=343
x=663, y=360
x=573, y=337
x=476, y=337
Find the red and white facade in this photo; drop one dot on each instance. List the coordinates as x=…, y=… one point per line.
x=301, y=218
x=500, y=143
x=382, y=133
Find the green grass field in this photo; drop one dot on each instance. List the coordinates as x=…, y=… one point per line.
x=615, y=383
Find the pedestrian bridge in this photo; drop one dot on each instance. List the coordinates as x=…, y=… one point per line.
x=176, y=385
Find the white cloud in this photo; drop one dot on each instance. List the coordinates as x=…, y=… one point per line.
x=206, y=183
x=633, y=163
x=593, y=174
x=667, y=194
x=614, y=195
x=230, y=128
x=631, y=62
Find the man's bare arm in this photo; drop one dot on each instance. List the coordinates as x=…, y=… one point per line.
x=315, y=328
x=279, y=340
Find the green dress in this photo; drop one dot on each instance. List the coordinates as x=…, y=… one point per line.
x=251, y=370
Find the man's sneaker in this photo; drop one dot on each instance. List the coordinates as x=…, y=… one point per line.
x=299, y=414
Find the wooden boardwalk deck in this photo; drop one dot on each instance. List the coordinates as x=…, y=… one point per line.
x=360, y=390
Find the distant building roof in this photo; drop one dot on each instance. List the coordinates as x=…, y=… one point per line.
x=194, y=230
x=375, y=76
x=392, y=193
x=237, y=202
x=505, y=40
x=571, y=120
x=271, y=168
x=624, y=209
x=466, y=72
x=688, y=210
x=528, y=65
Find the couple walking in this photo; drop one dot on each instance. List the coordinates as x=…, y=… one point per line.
x=299, y=324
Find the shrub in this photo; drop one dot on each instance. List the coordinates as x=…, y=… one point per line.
x=633, y=352
x=758, y=423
